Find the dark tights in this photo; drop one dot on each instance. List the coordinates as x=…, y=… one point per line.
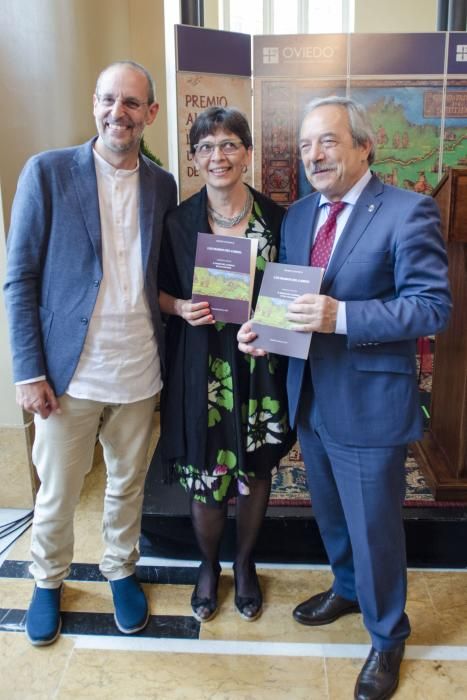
x=209, y=525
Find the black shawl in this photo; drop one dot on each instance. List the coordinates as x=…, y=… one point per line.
x=184, y=396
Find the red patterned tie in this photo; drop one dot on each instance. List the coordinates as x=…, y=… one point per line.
x=322, y=247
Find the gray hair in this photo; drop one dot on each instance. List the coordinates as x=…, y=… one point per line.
x=360, y=127
x=137, y=67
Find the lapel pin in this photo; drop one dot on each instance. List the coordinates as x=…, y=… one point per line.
x=371, y=208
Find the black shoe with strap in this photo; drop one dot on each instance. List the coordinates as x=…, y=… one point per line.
x=248, y=607
x=379, y=677
x=205, y=607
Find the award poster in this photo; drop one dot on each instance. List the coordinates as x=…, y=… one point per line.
x=281, y=285
x=195, y=94
x=224, y=275
x=213, y=70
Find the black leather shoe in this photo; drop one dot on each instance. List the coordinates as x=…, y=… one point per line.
x=379, y=676
x=323, y=608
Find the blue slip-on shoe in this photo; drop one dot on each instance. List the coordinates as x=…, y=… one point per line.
x=131, y=608
x=43, y=621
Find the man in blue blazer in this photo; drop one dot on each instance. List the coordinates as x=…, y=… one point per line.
x=355, y=400
x=86, y=335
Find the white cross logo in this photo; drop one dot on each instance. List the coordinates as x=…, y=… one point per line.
x=270, y=54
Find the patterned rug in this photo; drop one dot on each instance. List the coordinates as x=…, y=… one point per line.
x=289, y=487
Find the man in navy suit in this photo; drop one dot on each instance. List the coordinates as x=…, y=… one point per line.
x=355, y=400
x=87, y=338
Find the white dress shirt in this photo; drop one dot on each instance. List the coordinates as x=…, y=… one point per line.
x=350, y=198
x=120, y=360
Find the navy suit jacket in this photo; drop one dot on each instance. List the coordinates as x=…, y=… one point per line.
x=54, y=265
x=390, y=267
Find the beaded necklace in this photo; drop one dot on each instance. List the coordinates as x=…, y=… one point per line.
x=230, y=222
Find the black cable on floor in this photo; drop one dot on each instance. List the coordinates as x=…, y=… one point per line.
x=19, y=525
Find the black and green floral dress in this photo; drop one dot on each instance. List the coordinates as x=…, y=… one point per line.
x=224, y=417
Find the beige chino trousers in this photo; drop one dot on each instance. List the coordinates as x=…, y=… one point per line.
x=62, y=453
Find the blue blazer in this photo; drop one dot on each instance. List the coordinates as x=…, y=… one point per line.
x=390, y=267
x=55, y=258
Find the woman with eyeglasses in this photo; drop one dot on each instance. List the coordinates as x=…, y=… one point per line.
x=224, y=414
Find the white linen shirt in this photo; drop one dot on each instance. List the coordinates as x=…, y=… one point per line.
x=120, y=361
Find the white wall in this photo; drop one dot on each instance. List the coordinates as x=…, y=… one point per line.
x=10, y=413
x=51, y=52
x=395, y=16
x=17, y=483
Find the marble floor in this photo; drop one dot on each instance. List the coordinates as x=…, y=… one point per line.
x=272, y=658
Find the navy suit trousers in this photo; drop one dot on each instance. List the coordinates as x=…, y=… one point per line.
x=357, y=495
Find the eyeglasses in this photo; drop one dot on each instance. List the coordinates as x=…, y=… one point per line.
x=228, y=148
x=129, y=103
